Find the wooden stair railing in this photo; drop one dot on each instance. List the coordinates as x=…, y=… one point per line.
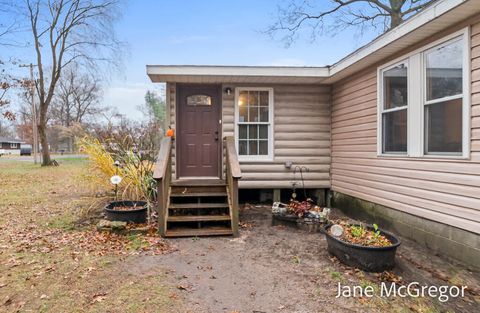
x=232, y=175
x=163, y=175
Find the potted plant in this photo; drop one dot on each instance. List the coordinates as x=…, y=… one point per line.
x=363, y=246
x=131, y=174
x=127, y=211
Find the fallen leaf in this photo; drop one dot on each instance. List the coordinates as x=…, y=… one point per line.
x=98, y=297
x=183, y=287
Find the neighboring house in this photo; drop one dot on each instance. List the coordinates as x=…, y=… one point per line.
x=9, y=146
x=393, y=129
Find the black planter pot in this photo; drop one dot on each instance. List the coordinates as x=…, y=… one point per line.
x=370, y=259
x=138, y=215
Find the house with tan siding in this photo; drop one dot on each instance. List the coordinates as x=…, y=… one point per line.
x=390, y=133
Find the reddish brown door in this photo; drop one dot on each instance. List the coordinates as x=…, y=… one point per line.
x=198, y=132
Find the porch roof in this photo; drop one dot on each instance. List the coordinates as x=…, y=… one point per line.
x=237, y=74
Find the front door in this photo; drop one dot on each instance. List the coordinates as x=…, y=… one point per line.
x=198, y=131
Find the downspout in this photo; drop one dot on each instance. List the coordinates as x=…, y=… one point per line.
x=328, y=193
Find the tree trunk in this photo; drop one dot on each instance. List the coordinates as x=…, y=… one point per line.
x=396, y=12
x=395, y=19
x=42, y=133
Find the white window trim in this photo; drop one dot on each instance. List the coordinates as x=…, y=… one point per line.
x=256, y=158
x=13, y=145
x=416, y=96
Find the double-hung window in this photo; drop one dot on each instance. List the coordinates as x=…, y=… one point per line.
x=254, y=120
x=423, y=101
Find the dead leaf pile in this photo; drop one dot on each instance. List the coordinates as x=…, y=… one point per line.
x=40, y=240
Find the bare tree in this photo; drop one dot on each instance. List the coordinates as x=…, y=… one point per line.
x=64, y=32
x=335, y=15
x=77, y=98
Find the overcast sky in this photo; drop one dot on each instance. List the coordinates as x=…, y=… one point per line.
x=209, y=32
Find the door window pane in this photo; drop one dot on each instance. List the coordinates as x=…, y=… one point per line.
x=444, y=71
x=443, y=122
x=395, y=132
x=395, y=87
x=196, y=100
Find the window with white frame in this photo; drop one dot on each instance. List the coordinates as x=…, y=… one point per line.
x=394, y=108
x=254, y=114
x=423, y=101
x=443, y=68
x=13, y=145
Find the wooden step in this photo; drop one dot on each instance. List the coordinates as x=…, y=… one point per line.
x=198, y=182
x=197, y=205
x=198, y=189
x=207, y=231
x=200, y=194
x=198, y=218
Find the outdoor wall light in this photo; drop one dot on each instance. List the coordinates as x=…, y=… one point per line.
x=288, y=164
x=228, y=91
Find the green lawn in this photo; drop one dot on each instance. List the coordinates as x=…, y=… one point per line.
x=48, y=263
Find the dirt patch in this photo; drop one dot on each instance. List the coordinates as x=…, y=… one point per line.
x=50, y=264
x=282, y=269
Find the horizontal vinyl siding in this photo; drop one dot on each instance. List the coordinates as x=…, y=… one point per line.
x=301, y=135
x=444, y=190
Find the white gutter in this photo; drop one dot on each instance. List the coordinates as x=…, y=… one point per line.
x=267, y=71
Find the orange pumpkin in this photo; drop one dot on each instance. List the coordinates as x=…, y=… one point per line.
x=170, y=132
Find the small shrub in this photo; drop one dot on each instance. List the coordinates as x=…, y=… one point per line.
x=359, y=234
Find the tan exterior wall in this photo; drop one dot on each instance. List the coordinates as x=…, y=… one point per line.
x=301, y=135
x=443, y=190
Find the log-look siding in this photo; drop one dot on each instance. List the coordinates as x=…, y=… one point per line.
x=444, y=190
x=301, y=135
